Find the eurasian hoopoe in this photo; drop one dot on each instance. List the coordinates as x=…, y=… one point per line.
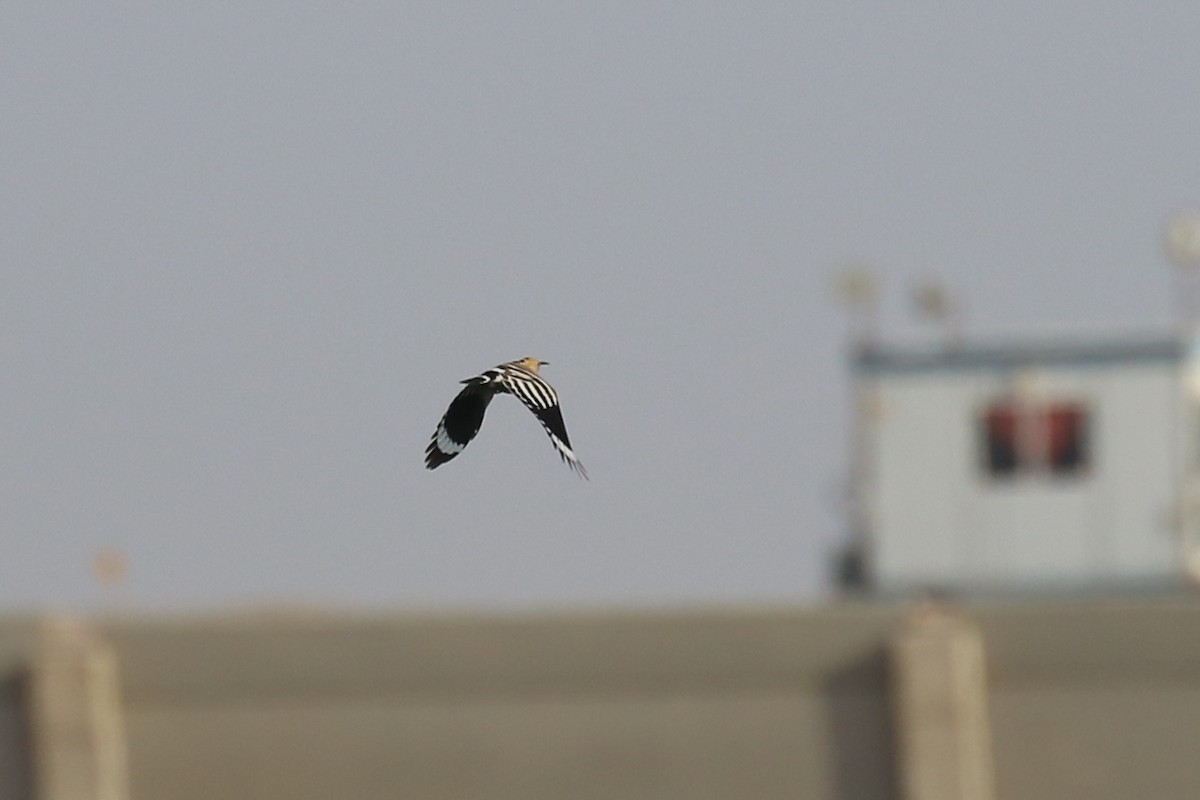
x=520, y=378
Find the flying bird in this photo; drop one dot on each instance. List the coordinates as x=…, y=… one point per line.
x=519, y=378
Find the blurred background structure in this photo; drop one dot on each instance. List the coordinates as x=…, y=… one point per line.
x=1037, y=701
x=1066, y=464
x=1051, y=465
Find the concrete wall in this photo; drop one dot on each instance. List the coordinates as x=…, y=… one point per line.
x=1100, y=700
x=720, y=705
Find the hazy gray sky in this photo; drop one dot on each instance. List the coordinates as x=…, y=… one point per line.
x=247, y=254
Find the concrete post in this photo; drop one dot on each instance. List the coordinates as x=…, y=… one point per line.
x=940, y=699
x=78, y=737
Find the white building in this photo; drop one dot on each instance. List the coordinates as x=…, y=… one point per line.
x=1044, y=466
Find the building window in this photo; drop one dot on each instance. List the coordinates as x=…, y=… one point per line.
x=1000, y=439
x=1020, y=438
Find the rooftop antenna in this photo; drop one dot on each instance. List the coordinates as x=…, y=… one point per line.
x=934, y=302
x=858, y=290
x=1182, y=243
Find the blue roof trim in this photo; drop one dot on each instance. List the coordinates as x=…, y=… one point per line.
x=888, y=360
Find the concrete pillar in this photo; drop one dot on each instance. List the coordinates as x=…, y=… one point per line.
x=78, y=736
x=939, y=692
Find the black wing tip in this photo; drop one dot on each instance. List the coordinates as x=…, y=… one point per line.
x=434, y=457
x=575, y=465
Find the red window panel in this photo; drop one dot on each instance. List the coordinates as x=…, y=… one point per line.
x=1025, y=437
x=1000, y=435
x=1066, y=437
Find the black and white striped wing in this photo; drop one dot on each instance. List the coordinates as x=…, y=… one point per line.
x=459, y=425
x=540, y=398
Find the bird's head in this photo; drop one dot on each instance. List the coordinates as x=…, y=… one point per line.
x=532, y=364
